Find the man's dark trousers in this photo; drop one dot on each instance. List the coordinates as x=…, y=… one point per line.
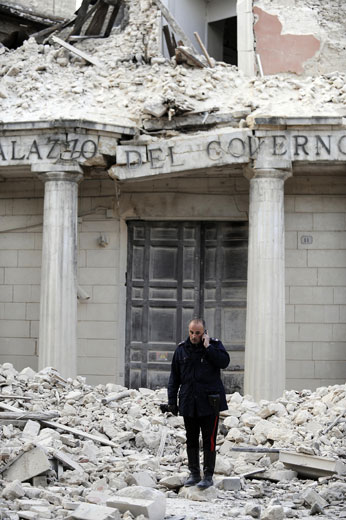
x=208, y=425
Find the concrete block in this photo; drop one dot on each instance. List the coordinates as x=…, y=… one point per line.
x=15, y=329
x=82, y=258
x=8, y=258
x=6, y=293
x=295, y=258
x=292, y=332
x=320, y=204
x=13, y=490
x=29, y=258
x=14, y=311
x=28, y=465
x=311, y=295
x=291, y=240
x=151, y=500
x=298, y=221
x=38, y=241
x=328, y=277
x=151, y=509
x=143, y=478
x=329, y=221
x=253, y=510
x=97, y=329
x=301, y=276
x=100, y=226
x=330, y=370
x=95, y=276
x=339, y=332
x=97, y=312
x=309, y=314
x=28, y=206
x=199, y=495
x=26, y=293
x=329, y=351
x=43, y=512
x=330, y=258
x=95, y=512
x=105, y=294
x=32, y=311
x=16, y=275
x=31, y=429
x=340, y=295
x=97, y=366
x=289, y=313
x=300, y=369
x=273, y=512
x=231, y=483
x=310, y=466
x=279, y=475
x=316, y=332
x=311, y=497
x=297, y=350
x=102, y=258
x=342, y=313
x=28, y=515
x=172, y=482
x=96, y=348
x=17, y=241
x=324, y=240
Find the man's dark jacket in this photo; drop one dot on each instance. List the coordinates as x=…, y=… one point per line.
x=195, y=373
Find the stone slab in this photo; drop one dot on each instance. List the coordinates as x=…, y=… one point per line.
x=151, y=509
x=311, y=466
x=231, y=484
x=30, y=464
x=94, y=512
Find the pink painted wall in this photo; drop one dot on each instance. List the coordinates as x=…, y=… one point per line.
x=281, y=52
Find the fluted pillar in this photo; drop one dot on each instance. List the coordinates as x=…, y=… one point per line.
x=58, y=304
x=265, y=321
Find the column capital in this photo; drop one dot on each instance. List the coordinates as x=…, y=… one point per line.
x=267, y=173
x=68, y=172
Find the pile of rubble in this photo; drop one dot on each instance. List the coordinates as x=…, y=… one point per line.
x=48, y=81
x=70, y=450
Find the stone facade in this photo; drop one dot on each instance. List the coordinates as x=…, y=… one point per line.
x=315, y=273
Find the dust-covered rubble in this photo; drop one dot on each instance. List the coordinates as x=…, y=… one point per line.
x=116, y=449
x=46, y=81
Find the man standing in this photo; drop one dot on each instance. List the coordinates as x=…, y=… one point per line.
x=195, y=374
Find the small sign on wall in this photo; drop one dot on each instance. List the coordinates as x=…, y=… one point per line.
x=306, y=240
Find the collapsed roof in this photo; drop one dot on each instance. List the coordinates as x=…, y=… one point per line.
x=131, y=81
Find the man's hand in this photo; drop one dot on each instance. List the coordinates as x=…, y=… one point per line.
x=206, y=339
x=172, y=408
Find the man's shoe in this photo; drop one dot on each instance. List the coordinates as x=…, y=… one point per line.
x=206, y=482
x=192, y=480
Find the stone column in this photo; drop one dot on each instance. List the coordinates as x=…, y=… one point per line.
x=58, y=305
x=265, y=364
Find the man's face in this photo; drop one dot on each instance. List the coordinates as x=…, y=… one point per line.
x=196, y=332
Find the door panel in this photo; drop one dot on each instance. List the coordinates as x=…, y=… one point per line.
x=177, y=271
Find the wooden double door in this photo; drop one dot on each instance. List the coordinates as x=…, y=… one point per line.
x=177, y=271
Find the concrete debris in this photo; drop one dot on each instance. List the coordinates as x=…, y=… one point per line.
x=92, y=512
x=126, y=456
x=133, y=71
x=30, y=464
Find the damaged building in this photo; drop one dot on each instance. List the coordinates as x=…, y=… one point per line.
x=148, y=177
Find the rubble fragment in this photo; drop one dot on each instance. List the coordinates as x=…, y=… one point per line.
x=126, y=449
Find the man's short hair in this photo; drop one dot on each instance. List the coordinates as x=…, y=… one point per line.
x=198, y=320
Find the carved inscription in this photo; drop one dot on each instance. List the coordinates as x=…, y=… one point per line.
x=25, y=150
x=237, y=148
